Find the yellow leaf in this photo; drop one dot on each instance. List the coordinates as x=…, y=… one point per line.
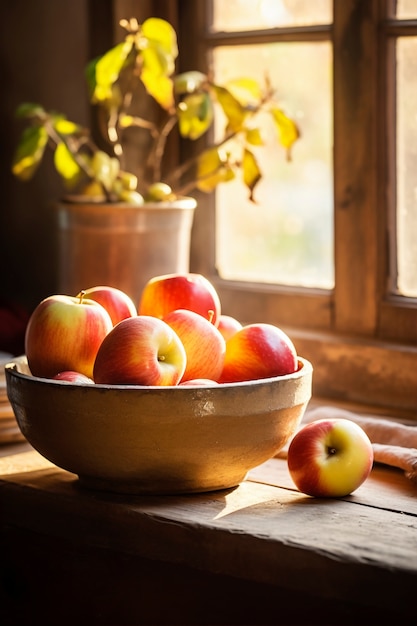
x=65, y=127
x=29, y=152
x=160, y=33
x=212, y=170
x=251, y=172
x=65, y=164
x=159, y=87
x=246, y=90
x=234, y=111
x=254, y=137
x=287, y=129
x=195, y=115
x=126, y=120
x=108, y=68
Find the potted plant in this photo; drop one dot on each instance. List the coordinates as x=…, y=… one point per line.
x=109, y=218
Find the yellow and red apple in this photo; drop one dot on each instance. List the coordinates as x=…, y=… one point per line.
x=204, y=344
x=65, y=333
x=166, y=293
x=228, y=325
x=256, y=351
x=198, y=382
x=141, y=350
x=116, y=302
x=330, y=458
x=69, y=376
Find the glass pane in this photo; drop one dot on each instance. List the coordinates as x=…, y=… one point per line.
x=232, y=15
x=406, y=9
x=407, y=165
x=287, y=237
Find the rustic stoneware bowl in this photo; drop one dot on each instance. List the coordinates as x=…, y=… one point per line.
x=158, y=440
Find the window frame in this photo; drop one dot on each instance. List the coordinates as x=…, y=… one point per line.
x=361, y=339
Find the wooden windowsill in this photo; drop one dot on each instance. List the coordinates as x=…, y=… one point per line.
x=175, y=559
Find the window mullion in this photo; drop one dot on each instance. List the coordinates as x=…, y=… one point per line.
x=355, y=157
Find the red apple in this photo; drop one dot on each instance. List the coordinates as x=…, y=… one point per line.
x=228, y=326
x=116, y=302
x=330, y=458
x=204, y=344
x=65, y=333
x=141, y=350
x=198, y=382
x=77, y=378
x=258, y=351
x=163, y=294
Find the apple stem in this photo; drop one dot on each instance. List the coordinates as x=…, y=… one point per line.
x=331, y=451
x=210, y=315
x=161, y=357
x=81, y=296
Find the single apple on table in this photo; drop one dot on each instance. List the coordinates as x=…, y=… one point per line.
x=116, y=302
x=228, y=325
x=69, y=376
x=330, y=458
x=204, y=344
x=256, y=351
x=65, y=333
x=166, y=293
x=141, y=350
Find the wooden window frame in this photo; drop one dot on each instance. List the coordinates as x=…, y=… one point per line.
x=361, y=339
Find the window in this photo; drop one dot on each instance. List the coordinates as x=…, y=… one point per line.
x=352, y=310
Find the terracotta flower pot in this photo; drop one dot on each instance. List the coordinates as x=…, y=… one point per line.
x=122, y=245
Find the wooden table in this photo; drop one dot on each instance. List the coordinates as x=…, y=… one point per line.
x=259, y=554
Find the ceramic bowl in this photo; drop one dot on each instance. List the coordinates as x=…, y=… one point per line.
x=158, y=440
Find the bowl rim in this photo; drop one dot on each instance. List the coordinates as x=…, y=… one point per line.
x=305, y=368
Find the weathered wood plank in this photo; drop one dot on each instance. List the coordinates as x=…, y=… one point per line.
x=259, y=532
x=386, y=488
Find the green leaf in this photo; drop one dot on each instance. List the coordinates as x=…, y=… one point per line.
x=66, y=165
x=29, y=152
x=107, y=70
x=189, y=82
x=212, y=170
x=195, y=115
x=251, y=172
x=234, y=111
x=29, y=109
x=287, y=129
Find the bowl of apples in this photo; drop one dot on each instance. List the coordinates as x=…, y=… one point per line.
x=167, y=401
